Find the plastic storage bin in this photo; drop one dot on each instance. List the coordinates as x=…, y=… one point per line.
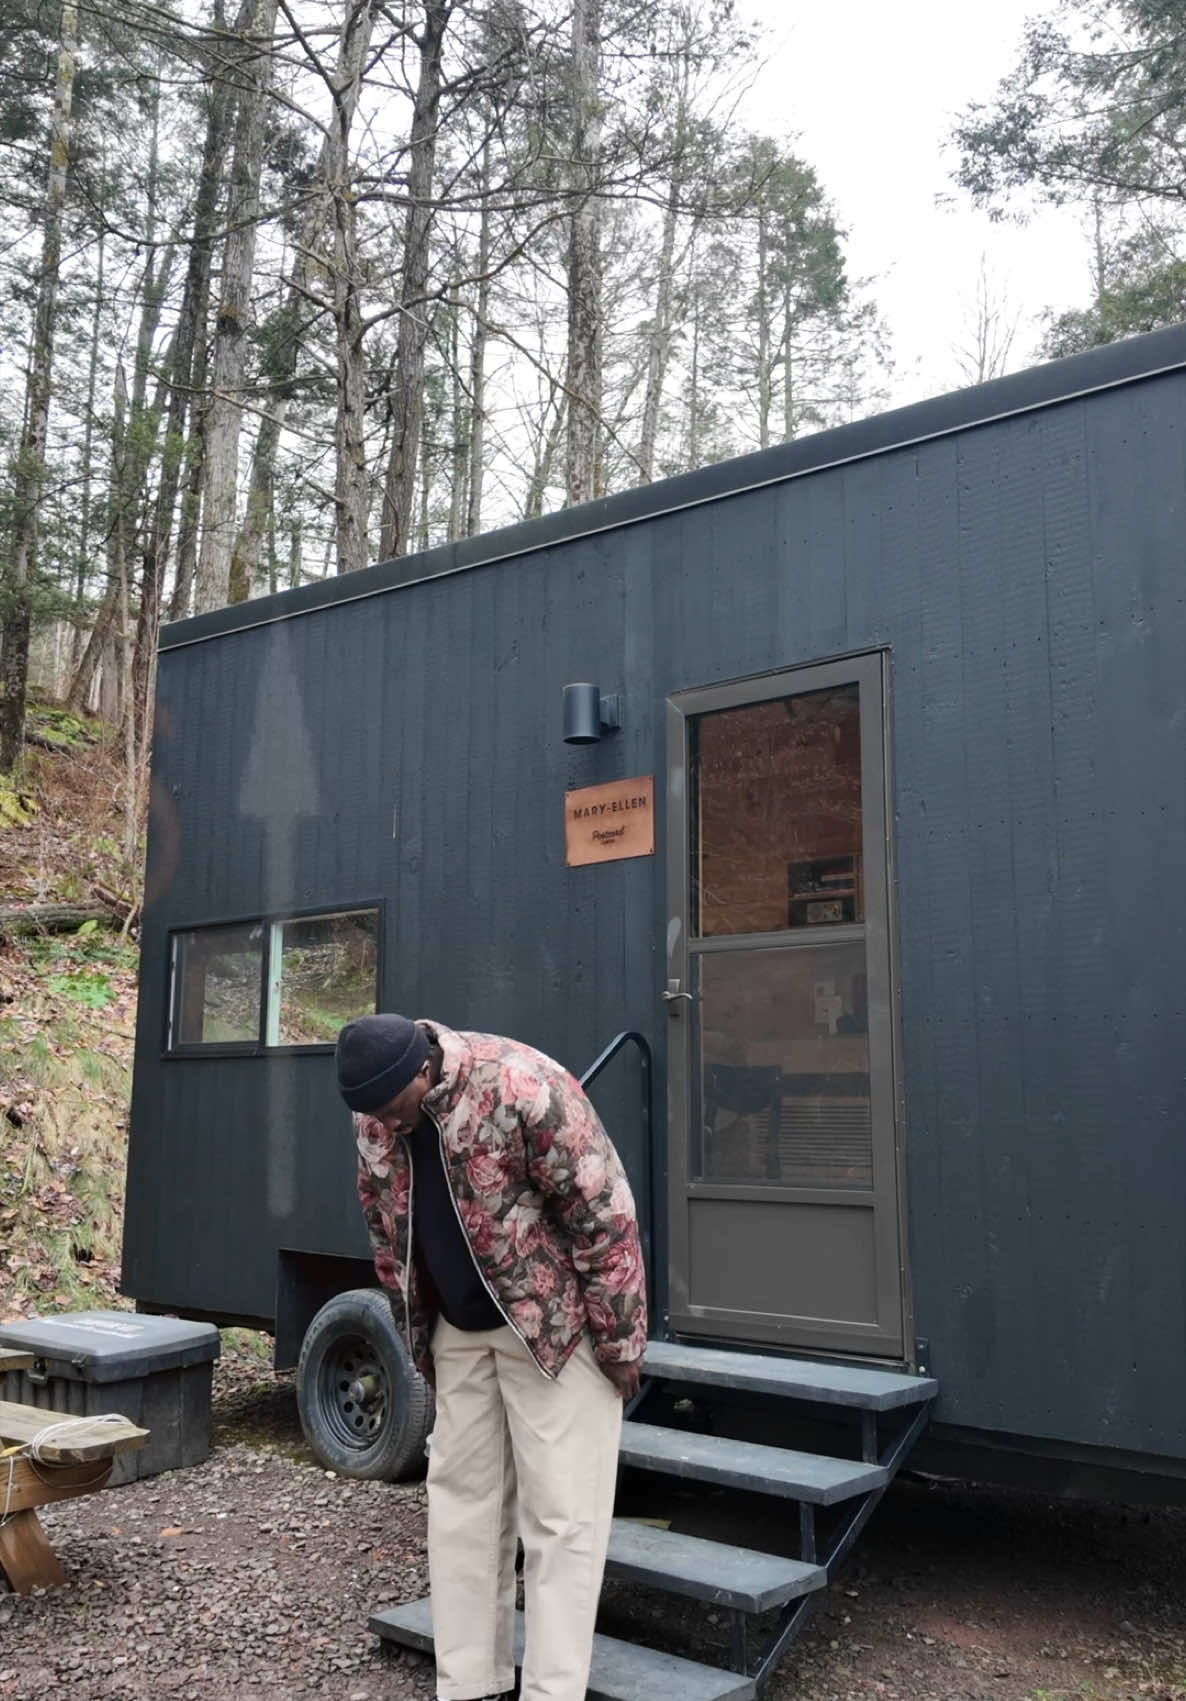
x=156, y=1371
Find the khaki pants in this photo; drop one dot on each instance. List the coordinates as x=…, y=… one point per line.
x=515, y=1453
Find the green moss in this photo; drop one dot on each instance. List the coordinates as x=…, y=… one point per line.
x=17, y=808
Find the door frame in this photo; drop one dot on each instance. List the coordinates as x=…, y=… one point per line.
x=870, y=670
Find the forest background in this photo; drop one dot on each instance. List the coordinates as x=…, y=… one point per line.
x=288, y=286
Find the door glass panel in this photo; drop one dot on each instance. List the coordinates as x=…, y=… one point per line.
x=784, y=1067
x=776, y=843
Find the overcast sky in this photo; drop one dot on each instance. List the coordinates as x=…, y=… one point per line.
x=870, y=89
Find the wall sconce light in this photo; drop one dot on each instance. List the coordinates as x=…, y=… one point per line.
x=587, y=714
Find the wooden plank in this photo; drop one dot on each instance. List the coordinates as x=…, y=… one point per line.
x=25, y=1485
x=620, y=1671
x=85, y=1442
x=744, y=1464
x=26, y=1557
x=11, y=1358
x=795, y=1379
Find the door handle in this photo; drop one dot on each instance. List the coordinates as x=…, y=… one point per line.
x=672, y=995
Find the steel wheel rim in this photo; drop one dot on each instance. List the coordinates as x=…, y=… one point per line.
x=353, y=1393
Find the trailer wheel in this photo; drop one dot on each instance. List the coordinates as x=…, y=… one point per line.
x=365, y=1410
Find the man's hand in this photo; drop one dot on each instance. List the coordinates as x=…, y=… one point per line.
x=625, y=1377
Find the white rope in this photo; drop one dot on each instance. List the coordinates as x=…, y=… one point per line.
x=12, y=1459
x=66, y=1426
x=53, y=1432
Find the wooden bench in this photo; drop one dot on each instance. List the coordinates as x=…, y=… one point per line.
x=77, y=1461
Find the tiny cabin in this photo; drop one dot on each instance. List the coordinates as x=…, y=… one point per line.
x=849, y=778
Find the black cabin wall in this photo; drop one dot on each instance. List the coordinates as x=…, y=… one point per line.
x=1028, y=579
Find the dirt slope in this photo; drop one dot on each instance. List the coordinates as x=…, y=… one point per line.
x=67, y=1012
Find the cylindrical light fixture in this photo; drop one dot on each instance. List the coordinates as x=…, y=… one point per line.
x=582, y=714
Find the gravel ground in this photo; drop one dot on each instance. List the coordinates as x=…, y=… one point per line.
x=251, y=1577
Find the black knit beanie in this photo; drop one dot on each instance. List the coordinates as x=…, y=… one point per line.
x=376, y=1057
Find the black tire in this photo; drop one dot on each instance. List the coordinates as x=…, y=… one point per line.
x=365, y=1410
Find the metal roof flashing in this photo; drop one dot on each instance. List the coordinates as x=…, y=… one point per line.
x=1131, y=361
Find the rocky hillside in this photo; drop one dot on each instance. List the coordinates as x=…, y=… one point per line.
x=67, y=1013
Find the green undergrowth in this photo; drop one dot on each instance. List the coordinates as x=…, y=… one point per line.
x=88, y=969
x=250, y=1346
x=67, y=1015
x=62, y=815
x=61, y=728
x=17, y=805
x=66, y=1038
x=47, y=727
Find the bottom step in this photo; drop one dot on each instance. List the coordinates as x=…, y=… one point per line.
x=621, y=1671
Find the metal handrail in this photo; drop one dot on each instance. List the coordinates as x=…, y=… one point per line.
x=630, y=1036
x=615, y=1045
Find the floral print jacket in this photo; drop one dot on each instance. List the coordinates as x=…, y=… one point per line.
x=541, y=1193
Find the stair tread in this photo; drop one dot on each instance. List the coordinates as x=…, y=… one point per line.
x=710, y=1571
x=621, y=1671
x=803, y=1379
x=745, y=1464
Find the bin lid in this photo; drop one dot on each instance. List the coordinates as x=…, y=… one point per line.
x=109, y=1346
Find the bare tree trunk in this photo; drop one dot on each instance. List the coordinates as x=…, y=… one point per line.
x=273, y=558
x=330, y=180
x=99, y=653
x=350, y=479
x=1099, y=252
x=142, y=425
x=113, y=652
x=127, y=646
x=143, y=767
x=477, y=366
x=88, y=439
x=110, y=697
x=30, y=471
x=79, y=694
x=407, y=395
x=351, y=490
x=220, y=471
x=425, y=483
x=246, y=553
x=659, y=346
x=583, y=376
x=693, y=459
x=295, y=543
x=191, y=494
x=763, y=336
x=547, y=448
x=156, y=277
x=462, y=425
x=182, y=361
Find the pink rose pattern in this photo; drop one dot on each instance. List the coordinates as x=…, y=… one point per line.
x=542, y=1195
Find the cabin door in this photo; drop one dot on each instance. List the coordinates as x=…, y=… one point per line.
x=785, y=1204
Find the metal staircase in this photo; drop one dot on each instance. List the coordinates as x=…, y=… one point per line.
x=885, y=1412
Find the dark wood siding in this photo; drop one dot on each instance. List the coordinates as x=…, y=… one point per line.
x=1028, y=576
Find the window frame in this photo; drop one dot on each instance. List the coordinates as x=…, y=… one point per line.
x=269, y=922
